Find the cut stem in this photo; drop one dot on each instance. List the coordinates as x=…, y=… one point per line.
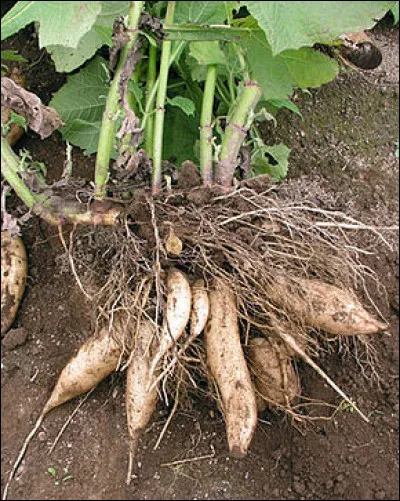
x=54, y=211
x=206, y=160
x=151, y=78
x=107, y=131
x=160, y=104
x=238, y=124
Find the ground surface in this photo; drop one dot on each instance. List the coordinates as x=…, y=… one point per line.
x=343, y=157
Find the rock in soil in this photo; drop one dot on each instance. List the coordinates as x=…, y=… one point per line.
x=14, y=338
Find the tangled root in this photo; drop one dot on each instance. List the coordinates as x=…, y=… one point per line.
x=250, y=239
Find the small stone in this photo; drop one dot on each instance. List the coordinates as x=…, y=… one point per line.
x=276, y=492
x=340, y=478
x=340, y=488
x=42, y=436
x=363, y=460
x=329, y=484
x=299, y=487
x=14, y=338
x=380, y=494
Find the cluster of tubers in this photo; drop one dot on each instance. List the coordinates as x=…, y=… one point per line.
x=247, y=378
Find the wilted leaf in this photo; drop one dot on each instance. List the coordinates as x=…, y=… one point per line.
x=42, y=119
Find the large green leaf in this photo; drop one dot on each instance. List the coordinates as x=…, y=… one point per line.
x=61, y=23
x=180, y=135
x=291, y=25
x=67, y=59
x=83, y=134
x=81, y=101
x=200, y=12
x=278, y=75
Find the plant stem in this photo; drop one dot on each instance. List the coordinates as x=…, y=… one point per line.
x=151, y=78
x=223, y=93
x=238, y=124
x=206, y=163
x=10, y=170
x=107, y=131
x=149, y=104
x=54, y=211
x=160, y=103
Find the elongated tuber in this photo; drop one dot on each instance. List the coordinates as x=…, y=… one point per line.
x=324, y=306
x=228, y=367
x=274, y=376
x=14, y=269
x=141, y=394
x=179, y=303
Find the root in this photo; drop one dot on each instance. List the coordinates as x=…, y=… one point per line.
x=22, y=454
x=68, y=421
x=293, y=344
x=247, y=238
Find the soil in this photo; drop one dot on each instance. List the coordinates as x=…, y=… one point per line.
x=342, y=158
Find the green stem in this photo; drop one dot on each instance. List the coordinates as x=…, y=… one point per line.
x=238, y=124
x=151, y=78
x=52, y=211
x=160, y=103
x=148, y=112
x=107, y=131
x=10, y=163
x=206, y=163
x=232, y=90
x=223, y=93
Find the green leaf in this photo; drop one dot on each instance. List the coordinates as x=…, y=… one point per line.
x=17, y=120
x=395, y=11
x=52, y=471
x=277, y=104
x=138, y=94
x=272, y=160
x=83, y=134
x=308, y=67
x=185, y=104
x=291, y=25
x=11, y=55
x=68, y=477
x=67, y=59
x=180, y=134
x=207, y=53
x=81, y=102
x=278, y=75
x=200, y=12
x=60, y=23
x=84, y=94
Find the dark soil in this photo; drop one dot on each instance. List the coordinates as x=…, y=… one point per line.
x=343, y=158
